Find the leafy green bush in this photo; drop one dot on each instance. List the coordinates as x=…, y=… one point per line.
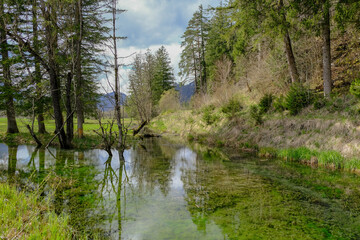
x=256, y=114
x=355, y=88
x=208, y=116
x=279, y=104
x=297, y=98
x=232, y=107
x=265, y=102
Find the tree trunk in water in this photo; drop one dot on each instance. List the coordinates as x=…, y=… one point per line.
x=51, y=40
x=9, y=97
x=291, y=59
x=40, y=108
x=78, y=80
x=41, y=124
x=69, y=115
x=327, y=50
x=117, y=83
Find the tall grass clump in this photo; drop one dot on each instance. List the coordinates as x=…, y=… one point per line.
x=352, y=164
x=331, y=159
x=297, y=98
x=297, y=154
x=24, y=216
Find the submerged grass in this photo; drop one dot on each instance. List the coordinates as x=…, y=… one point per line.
x=24, y=216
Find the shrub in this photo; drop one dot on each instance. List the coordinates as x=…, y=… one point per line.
x=266, y=102
x=297, y=98
x=355, y=88
x=256, y=114
x=279, y=104
x=169, y=101
x=232, y=107
x=208, y=116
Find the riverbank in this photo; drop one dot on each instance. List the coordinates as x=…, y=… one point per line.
x=314, y=137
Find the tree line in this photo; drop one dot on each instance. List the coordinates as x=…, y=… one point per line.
x=242, y=32
x=51, y=60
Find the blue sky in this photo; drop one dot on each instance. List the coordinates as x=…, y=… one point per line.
x=151, y=24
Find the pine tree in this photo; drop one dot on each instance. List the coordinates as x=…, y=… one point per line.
x=193, y=63
x=163, y=78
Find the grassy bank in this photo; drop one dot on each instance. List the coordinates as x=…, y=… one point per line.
x=91, y=139
x=325, y=137
x=24, y=216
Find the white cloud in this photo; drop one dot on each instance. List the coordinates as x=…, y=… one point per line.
x=151, y=24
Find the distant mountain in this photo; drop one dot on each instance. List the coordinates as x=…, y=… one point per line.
x=186, y=91
x=107, y=101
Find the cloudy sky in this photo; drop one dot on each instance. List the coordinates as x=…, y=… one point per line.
x=151, y=24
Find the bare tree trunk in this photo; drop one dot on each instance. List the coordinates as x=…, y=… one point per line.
x=291, y=59
x=51, y=40
x=40, y=108
x=69, y=115
x=326, y=50
x=195, y=72
x=203, y=62
x=117, y=83
x=9, y=97
x=78, y=75
x=294, y=74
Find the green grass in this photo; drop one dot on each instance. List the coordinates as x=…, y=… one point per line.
x=24, y=216
x=331, y=159
x=91, y=139
x=297, y=154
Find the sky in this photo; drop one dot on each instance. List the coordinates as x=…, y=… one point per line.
x=150, y=24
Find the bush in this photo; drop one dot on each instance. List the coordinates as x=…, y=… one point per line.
x=265, y=103
x=297, y=98
x=232, y=107
x=208, y=116
x=169, y=101
x=355, y=88
x=279, y=104
x=256, y=114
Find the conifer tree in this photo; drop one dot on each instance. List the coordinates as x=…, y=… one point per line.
x=163, y=78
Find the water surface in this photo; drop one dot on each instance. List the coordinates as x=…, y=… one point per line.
x=164, y=190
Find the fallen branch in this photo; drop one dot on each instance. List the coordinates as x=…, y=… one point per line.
x=136, y=131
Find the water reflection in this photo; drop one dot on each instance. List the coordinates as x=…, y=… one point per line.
x=160, y=190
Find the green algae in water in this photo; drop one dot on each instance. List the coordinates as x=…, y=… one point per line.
x=168, y=191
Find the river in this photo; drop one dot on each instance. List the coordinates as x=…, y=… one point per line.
x=167, y=190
